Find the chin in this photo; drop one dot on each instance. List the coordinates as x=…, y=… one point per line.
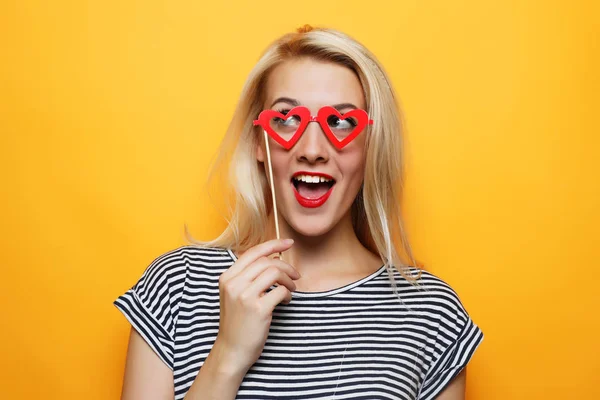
x=311, y=226
x=313, y=222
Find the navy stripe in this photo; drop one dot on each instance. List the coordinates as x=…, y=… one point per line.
x=147, y=326
x=355, y=342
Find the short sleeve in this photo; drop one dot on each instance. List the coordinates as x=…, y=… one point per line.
x=148, y=306
x=463, y=337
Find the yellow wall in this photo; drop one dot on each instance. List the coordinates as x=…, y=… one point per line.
x=111, y=110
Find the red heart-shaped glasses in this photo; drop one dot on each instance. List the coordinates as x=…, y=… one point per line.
x=286, y=128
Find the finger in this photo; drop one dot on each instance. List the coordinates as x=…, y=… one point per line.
x=267, y=279
x=239, y=283
x=261, y=250
x=278, y=295
x=255, y=269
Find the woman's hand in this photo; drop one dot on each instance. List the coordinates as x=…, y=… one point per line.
x=246, y=310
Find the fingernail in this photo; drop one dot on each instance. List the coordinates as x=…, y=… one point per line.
x=288, y=241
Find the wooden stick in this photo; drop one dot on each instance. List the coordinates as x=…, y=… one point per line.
x=272, y=188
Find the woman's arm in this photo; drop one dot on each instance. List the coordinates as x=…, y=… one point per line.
x=219, y=378
x=245, y=319
x=456, y=388
x=148, y=378
x=146, y=375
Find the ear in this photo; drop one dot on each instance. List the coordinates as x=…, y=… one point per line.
x=260, y=151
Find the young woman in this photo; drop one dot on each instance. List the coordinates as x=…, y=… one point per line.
x=344, y=313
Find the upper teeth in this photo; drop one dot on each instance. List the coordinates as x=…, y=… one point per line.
x=311, y=178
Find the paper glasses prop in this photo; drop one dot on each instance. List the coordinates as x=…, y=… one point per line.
x=339, y=129
x=287, y=129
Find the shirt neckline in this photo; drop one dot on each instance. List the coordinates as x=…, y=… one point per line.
x=329, y=292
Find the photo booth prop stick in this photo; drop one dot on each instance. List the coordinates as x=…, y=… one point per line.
x=272, y=188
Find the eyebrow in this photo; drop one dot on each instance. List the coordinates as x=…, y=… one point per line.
x=295, y=103
x=285, y=100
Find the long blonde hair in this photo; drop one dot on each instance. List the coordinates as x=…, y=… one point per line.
x=376, y=214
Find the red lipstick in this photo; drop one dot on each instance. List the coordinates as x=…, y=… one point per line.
x=312, y=203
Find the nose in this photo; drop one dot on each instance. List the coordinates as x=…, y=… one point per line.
x=312, y=147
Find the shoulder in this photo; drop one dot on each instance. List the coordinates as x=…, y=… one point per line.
x=191, y=254
x=152, y=305
x=172, y=267
x=453, y=335
x=435, y=299
x=438, y=289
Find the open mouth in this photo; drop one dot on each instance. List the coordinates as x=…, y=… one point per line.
x=312, y=187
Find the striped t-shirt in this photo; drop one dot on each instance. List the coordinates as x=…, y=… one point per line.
x=359, y=341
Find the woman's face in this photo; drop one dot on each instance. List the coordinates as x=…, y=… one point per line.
x=314, y=84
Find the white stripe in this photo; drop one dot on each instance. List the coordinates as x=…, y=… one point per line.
x=358, y=340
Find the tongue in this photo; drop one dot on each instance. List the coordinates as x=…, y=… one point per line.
x=312, y=190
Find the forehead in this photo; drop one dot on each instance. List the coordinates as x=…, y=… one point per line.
x=314, y=84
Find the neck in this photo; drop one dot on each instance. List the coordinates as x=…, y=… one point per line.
x=337, y=252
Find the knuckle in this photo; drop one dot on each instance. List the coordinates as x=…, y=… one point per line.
x=263, y=260
x=223, y=277
x=273, y=271
x=284, y=290
x=279, y=262
x=284, y=276
x=244, y=297
x=227, y=287
x=260, y=309
x=223, y=284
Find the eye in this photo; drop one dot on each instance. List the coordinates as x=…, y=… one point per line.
x=341, y=124
x=291, y=121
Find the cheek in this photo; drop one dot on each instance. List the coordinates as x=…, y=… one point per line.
x=353, y=163
x=280, y=161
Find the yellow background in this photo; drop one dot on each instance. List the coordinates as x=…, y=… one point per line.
x=110, y=112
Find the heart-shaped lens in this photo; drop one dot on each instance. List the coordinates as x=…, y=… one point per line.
x=285, y=124
x=342, y=129
x=284, y=127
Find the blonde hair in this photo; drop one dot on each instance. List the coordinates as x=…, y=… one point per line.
x=376, y=214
